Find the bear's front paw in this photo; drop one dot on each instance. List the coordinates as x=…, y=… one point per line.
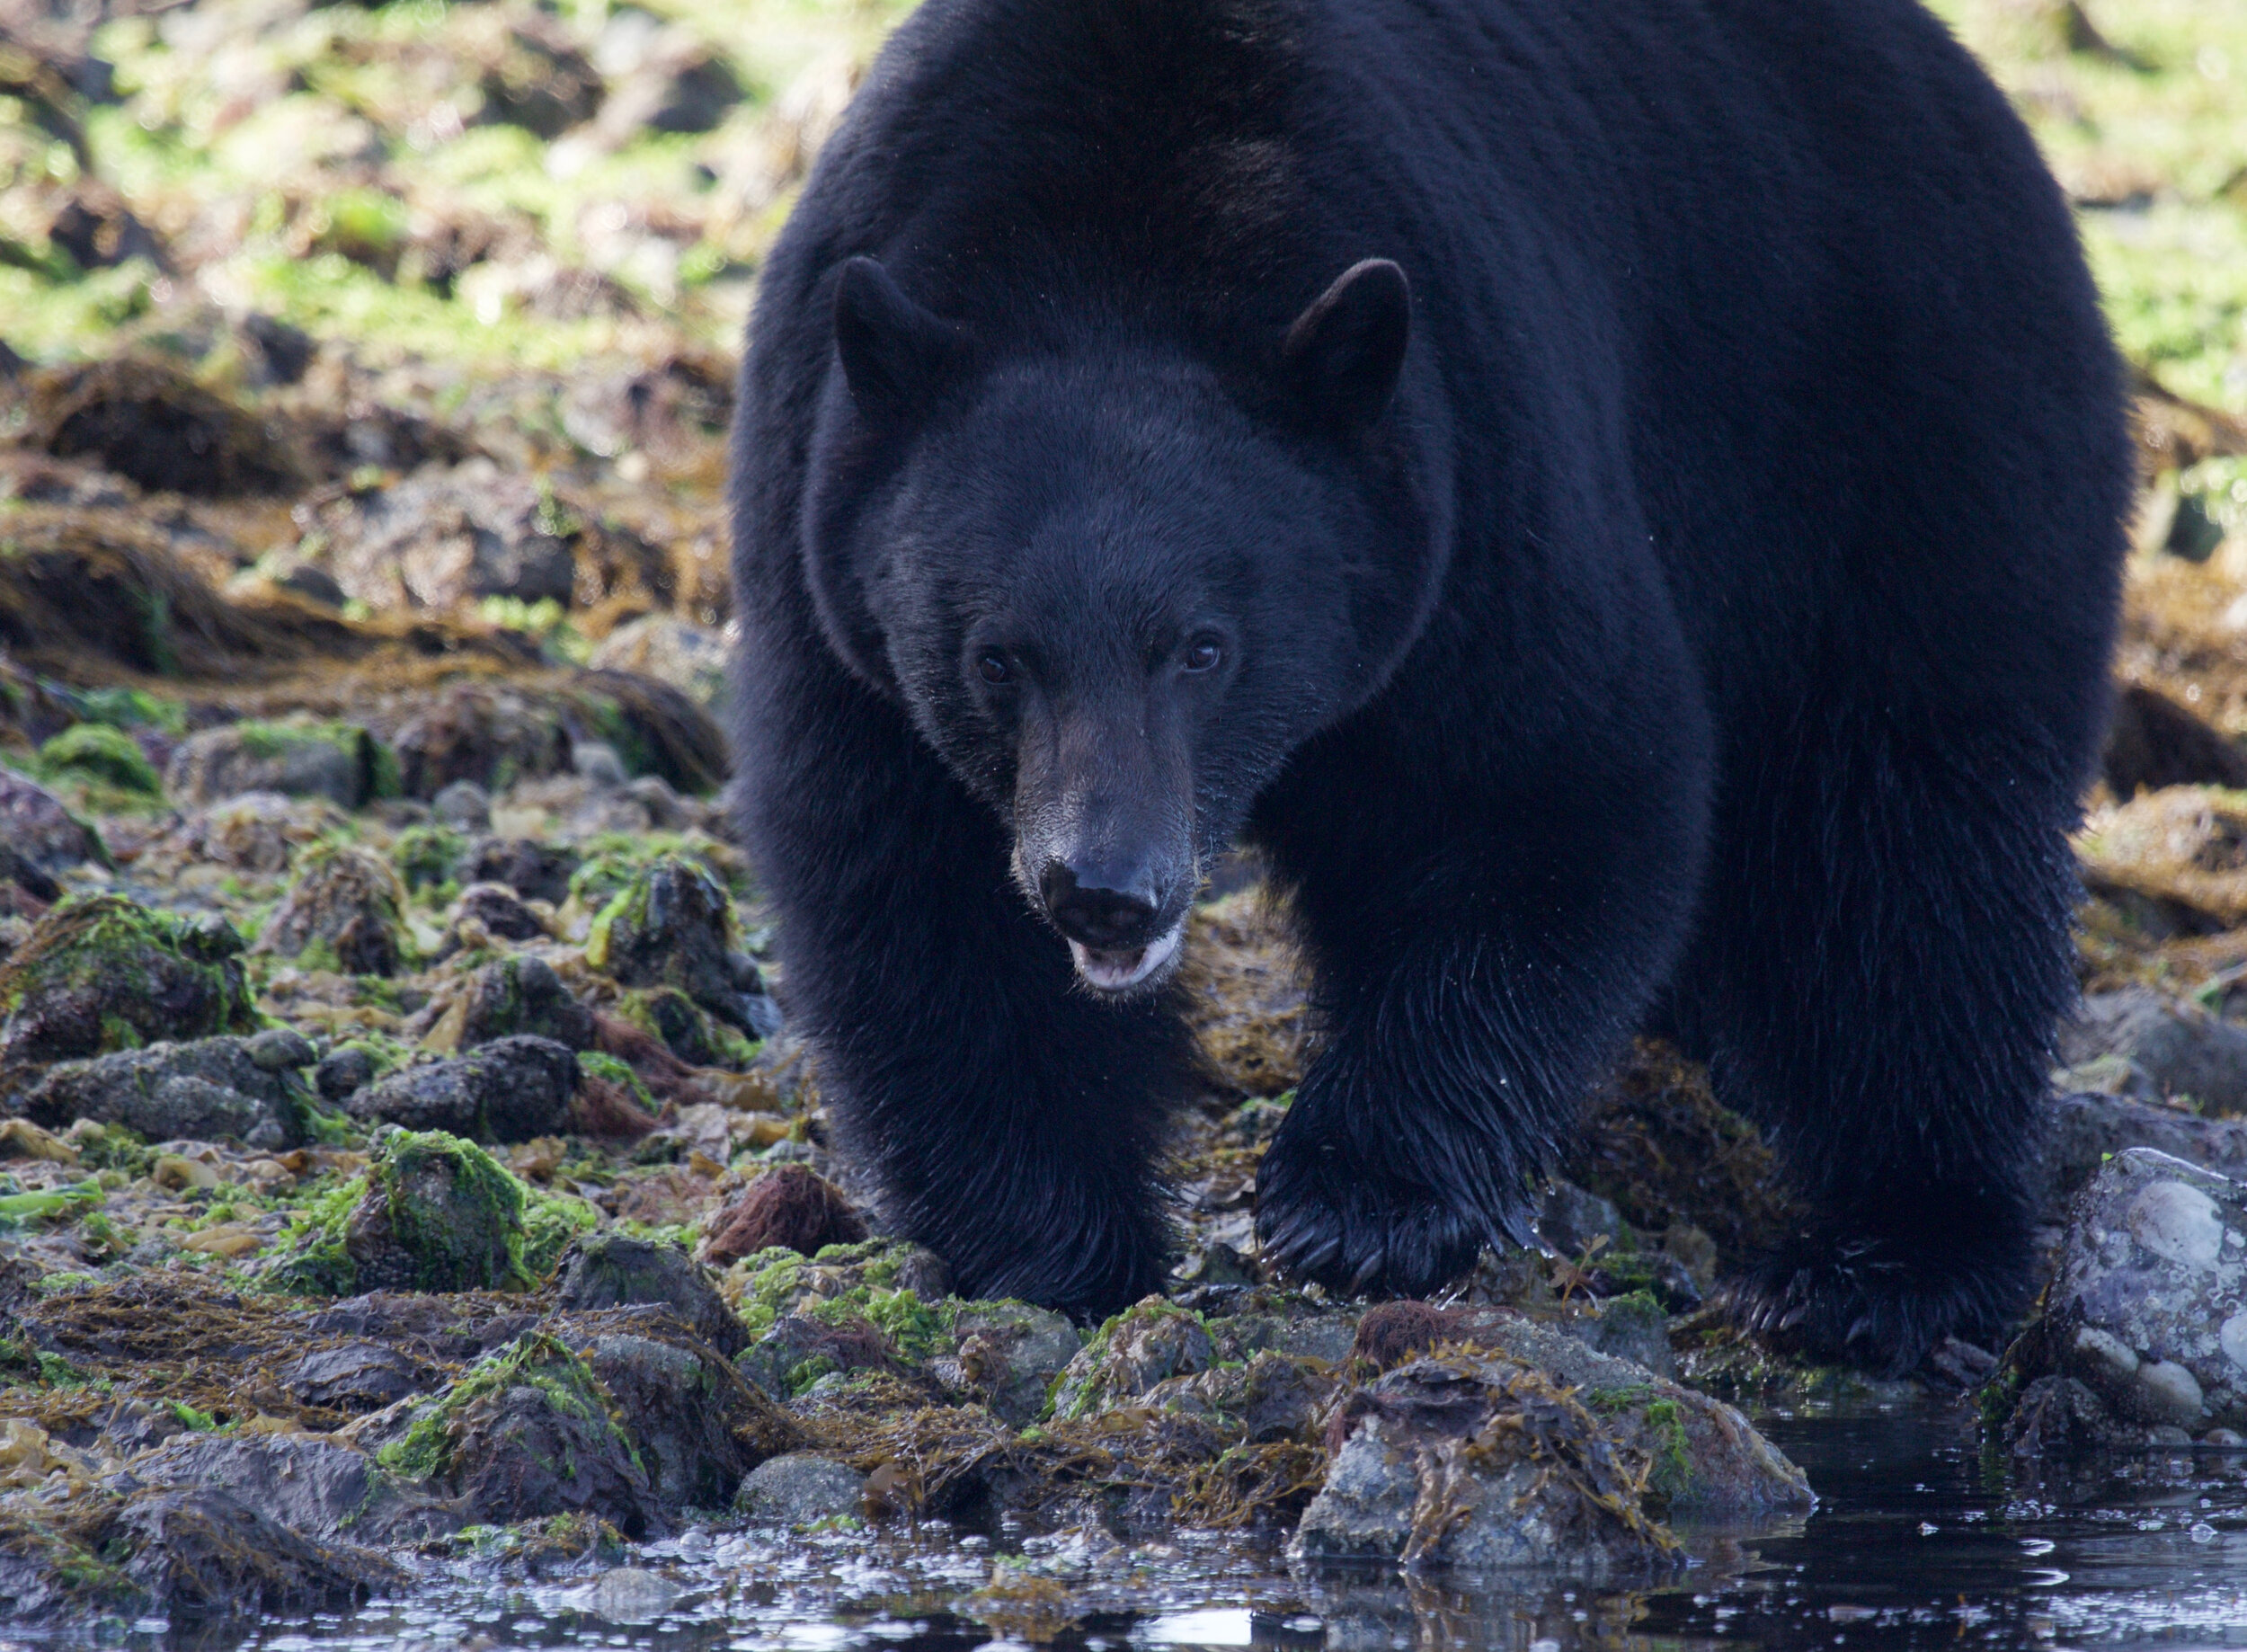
x=1324, y=1215
x=1881, y=1302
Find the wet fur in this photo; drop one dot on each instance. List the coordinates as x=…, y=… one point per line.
x=1755, y=480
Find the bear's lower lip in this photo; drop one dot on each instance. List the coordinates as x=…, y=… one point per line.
x=1119, y=972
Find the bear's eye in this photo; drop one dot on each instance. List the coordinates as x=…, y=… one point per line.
x=992, y=668
x=1203, y=654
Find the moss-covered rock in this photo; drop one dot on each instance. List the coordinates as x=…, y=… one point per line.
x=432, y=1212
x=345, y=910
x=95, y=754
x=1128, y=1355
x=528, y=1432
x=306, y=758
x=101, y=972
x=672, y=926
x=520, y=995
x=37, y=828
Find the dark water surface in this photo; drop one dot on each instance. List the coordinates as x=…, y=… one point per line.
x=1917, y=1543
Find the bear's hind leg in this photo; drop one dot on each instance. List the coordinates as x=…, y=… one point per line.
x=1885, y=958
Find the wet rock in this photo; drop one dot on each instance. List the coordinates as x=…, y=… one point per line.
x=607, y=1270
x=672, y=927
x=101, y=973
x=344, y=912
x=2161, y=1049
x=789, y=1205
x=444, y=537
x=1706, y=1455
x=2089, y=1129
x=313, y=1486
x=432, y=1213
x=146, y=419
x=511, y=1089
x=1470, y=1461
x=1632, y=1327
x=690, y=658
x=801, y=1350
x=359, y=1377
x=1007, y=1357
x=528, y=1433
x=212, y=1088
x=696, y=1425
x=203, y=1551
x=521, y=995
x=1129, y=1354
x=800, y=1489
x=304, y=758
x=498, y=912
x=347, y=1069
x=2148, y=1306
x=535, y=871
x=464, y=805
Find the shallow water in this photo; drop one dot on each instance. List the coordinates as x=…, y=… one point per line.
x=1916, y=1543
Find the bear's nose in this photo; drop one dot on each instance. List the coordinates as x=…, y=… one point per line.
x=1108, y=908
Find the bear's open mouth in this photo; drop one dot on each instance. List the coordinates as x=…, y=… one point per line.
x=1119, y=971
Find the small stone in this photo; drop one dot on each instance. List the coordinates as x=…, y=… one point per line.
x=35, y=825
x=359, y=1377
x=535, y=871
x=282, y=1049
x=1128, y=1355
x=2226, y=1439
x=598, y=765
x=176, y=1173
x=2107, y=1362
x=629, y=1595
x=437, y=1214
x=463, y=804
x=2167, y=1392
x=800, y=1489
x=344, y=1069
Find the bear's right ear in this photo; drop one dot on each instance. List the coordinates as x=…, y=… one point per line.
x=1345, y=352
x=894, y=353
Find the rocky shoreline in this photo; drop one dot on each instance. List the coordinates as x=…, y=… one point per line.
x=406, y=1167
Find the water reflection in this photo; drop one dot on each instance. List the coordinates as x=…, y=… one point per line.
x=1919, y=1543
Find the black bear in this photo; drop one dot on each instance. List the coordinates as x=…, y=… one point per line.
x=1619, y=504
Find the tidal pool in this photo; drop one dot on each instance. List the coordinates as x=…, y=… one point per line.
x=1919, y=1541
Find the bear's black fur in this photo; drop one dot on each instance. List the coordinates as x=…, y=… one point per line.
x=1621, y=502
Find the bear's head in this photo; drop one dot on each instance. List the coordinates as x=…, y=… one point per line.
x=1116, y=584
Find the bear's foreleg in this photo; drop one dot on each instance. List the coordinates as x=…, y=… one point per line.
x=1481, y=955
x=1887, y=953
x=1009, y=1120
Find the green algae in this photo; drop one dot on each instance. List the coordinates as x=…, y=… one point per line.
x=96, y=754
x=779, y=1282
x=427, y=859
x=537, y=1360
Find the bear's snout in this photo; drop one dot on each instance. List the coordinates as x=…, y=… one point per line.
x=1105, y=908
x=1111, y=917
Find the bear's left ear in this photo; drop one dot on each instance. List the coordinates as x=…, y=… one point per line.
x=1345, y=353
x=894, y=353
